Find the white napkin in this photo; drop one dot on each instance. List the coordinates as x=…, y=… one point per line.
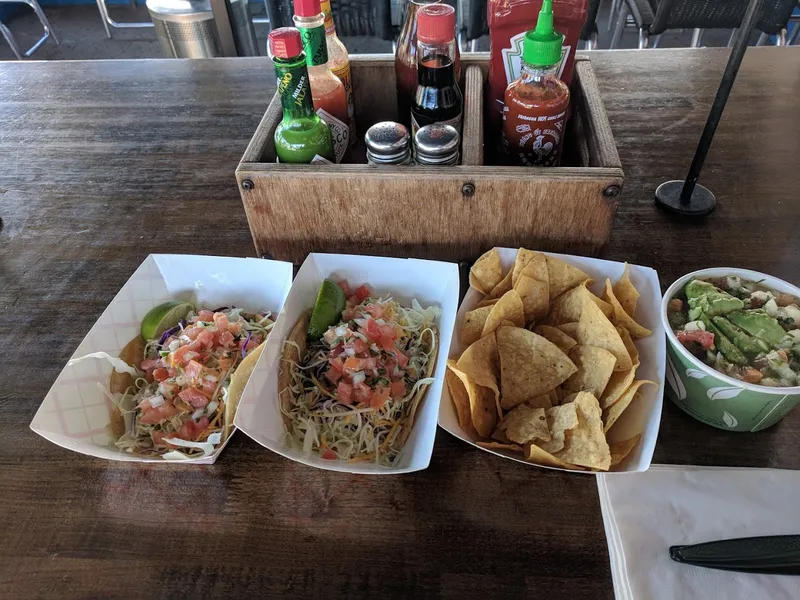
x=646, y=513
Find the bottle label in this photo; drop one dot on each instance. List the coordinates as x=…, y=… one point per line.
x=339, y=131
x=325, y=6
x=314, y=45
x=512, y=58
x=343, y=73
x=415, y=124
x=293, y=88
x=533, y=140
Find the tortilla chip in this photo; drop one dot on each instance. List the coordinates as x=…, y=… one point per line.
x=556, y=336
x=594, y=329
x=533, y=263
x=472, y=327
x=595, y=366
x=500, y=289
x=133, y=354
x=499, y=446
x=620, y=450
x=619, y=382
x=485, y=303
x=568, y=306
x=543, y=401
x=482, y=404
x=620, y=317
x=500, y=436
x=613, y=412
x=530, y=366
x=586, y=444
x=571, y=329
x=555, y=396
x=524, y=424
x=535, y=301
x=510, y=308
x=539, y=456
x=487, y=272
x=507, y=323
x=569, y=397
x=629, y=345
x=626, y=293
x=239, y=380
x=481, y=363
x=560, y=419
x=562, y=276
x=294, y=350
x=460, y=398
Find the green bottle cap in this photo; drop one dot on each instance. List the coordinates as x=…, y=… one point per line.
x=542, y=46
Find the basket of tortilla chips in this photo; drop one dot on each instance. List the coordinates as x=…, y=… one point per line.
x=558, y=361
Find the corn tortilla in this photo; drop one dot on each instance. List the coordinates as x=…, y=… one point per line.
x=510, y=308
x=555, y=335
x=622, y=318
x=487, y=272
x=594, y=329
x=595, y=367
x=530, y=366
x=562, y=276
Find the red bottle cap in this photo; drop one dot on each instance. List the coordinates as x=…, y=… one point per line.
x=307, y=8
x=285, y=42
x=436, y=24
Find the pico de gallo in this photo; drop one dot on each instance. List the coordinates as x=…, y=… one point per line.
x=741, y=328
x=355, y=387
x=178, y=402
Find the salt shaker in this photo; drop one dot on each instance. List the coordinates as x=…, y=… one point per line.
x=388, y=143
x=437, y=144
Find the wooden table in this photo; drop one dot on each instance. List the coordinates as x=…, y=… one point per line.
x=104, y=162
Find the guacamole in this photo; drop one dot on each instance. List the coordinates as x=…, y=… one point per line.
x=740, y=328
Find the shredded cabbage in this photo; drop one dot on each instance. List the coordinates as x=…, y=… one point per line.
x=116, y=362
x=318, y=422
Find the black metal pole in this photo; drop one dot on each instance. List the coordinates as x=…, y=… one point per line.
x=693, y=199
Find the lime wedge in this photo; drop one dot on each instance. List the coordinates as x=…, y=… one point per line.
x=164, y=316
x=327, y=309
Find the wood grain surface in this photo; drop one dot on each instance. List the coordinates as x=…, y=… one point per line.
x=104, y=162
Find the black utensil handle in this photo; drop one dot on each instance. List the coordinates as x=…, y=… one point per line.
x=779, y=554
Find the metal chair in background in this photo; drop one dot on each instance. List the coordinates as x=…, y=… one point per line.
x=352, y=17
x=652, y=18
x=475, y=22
x=589, y=31
x=48, y=30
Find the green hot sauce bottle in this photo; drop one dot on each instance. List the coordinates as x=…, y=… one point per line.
x=301, y=135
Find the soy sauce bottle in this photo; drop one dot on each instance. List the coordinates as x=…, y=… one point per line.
x=437, y=98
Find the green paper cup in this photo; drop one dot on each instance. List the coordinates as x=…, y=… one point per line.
x=714, y=398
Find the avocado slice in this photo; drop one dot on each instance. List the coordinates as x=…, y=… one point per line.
x=723, y=344
x=751, y=346
x=759, y=324
x=704, y=297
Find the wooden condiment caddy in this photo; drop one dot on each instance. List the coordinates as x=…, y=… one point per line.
x=446, y=213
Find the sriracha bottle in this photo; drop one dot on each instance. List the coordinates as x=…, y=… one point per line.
x=535, y=111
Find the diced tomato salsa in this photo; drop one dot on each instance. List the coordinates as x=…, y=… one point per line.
x=366, y=364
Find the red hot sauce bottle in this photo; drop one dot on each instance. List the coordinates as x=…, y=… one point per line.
x=535, y=112
x=437, y=98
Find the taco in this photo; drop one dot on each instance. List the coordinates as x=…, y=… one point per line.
x=354, y=393
x=189, y=381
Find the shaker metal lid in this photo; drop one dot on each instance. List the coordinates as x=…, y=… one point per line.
x=437, y=140
x=387, y=138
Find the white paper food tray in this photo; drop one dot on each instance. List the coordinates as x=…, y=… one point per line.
x=75, y=412
x=644, y=415
x=430, y=282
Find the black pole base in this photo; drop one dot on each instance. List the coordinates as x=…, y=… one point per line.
x=668, y=196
